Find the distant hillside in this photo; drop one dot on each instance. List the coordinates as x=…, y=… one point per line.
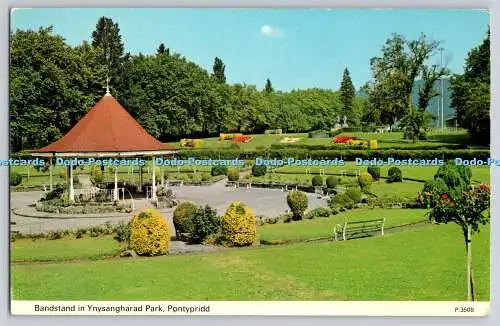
x=434, y=102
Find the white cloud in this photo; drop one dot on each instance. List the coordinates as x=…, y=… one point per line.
x=270, y=31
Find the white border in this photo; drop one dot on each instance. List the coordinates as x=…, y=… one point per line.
x=264, y=308
x=5, y=319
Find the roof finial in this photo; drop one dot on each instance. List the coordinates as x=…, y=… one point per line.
x=107, y=85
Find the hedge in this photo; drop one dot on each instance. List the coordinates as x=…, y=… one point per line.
x=345, y=146
x=346, y=154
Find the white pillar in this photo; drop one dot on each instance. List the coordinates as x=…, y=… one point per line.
x=162, y=177
x=140, y=178
x=153, y=188
x=71, y=190
x=50, y=174
x=115, y=193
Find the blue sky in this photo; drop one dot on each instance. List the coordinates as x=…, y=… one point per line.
x=294, y=48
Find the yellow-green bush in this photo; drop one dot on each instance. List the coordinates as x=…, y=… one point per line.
x=365, y=180
x=187, y=142
x=183, y=217
x=238, y=225
x=223, y=136
x=149, y=233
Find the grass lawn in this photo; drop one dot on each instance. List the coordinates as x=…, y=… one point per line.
x=479, y=173
x=419, y=264
x=63, y=249
x=386, y=140
x=323, y=227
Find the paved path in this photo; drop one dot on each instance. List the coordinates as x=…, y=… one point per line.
x=266, y=202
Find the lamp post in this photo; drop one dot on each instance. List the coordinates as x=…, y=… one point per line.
x=442, y=92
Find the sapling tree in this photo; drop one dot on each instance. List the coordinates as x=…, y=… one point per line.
x=469, y=210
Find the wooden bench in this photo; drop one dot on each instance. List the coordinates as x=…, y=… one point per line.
x=358, y=229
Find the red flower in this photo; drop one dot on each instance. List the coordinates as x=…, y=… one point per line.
x=444, y=196
x=241, y=139
x=342, y=139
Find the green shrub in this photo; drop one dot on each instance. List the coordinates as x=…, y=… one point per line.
x=183, y=217
x=387, y=201
x=340, y=201
x=318, y=212
x=54, y=235
x=56, y=193
x=15, y=178
x=219, y=170
x=79, y=233
x=298, y=202
x=238, y=225
x=354, y=193
x=456, y=177
x=259, y=170
x=196, y=178
x=206, y=222
x=233, y=174
x=435, y=187
x=317, y=181
x=122, y=232
x=374, y=172
x=96, y=174
x=331, y=182
x=394, y=175
x=365, y=180
x=205, y=177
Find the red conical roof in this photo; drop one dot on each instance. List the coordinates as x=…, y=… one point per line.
x=107, y=127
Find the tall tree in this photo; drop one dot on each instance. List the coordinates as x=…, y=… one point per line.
x=269, y=87
x=401, y=63
x=219, y=70
x=416, y=120
x=51, y=86
x=471, y=93
x=347, y=94
x=430, y=75
x=107, y=37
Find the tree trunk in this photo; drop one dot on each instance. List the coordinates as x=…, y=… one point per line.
x=470, y=290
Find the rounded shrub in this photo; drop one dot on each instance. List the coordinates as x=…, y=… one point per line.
x=298, y=202
x=205, y=224
x=149, y=233
x=395, y=175
x=233, y=174
x=331, y=182
x=96, y=175
x=340, y=201
x=259, y=170
x=365, y=179
x=238, y=225
x=374, y=172
x=15, y=178
x=219, y=170
x=456, y=177
x=435, y=188
x=183, y=217
x=317, y=181
x=354, y=193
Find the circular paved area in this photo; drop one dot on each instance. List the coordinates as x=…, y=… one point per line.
x=266, y=202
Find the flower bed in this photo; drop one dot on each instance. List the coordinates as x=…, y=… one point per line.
x=344, y=139
x=241, y=139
